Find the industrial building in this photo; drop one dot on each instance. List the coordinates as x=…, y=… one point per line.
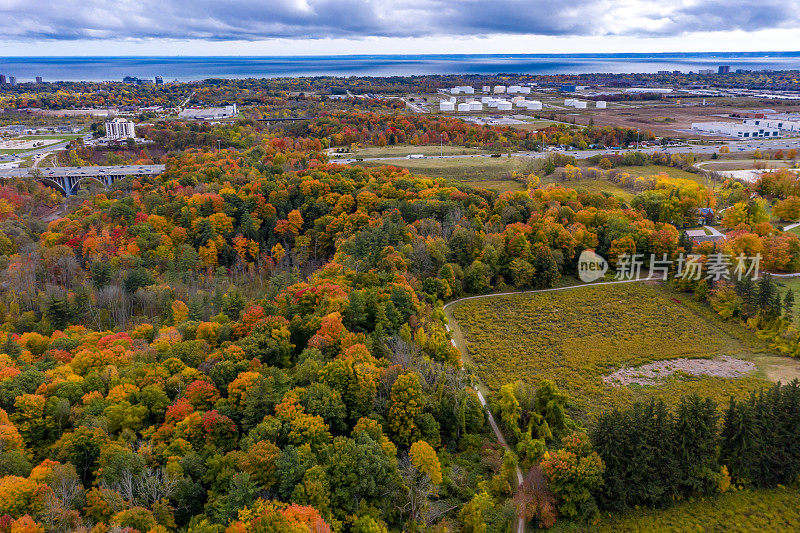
x=119, y=129
x=12, y=80
x=574, y=102
x=530, y=105
x=2, y=79
x=734, y=129
x=39, y=79
x=211, y=113
x=465, y=89
x=780, y=124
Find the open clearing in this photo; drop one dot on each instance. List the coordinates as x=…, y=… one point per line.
x=742, y=164
x=577, y=336
x=664, y=119
x=404, y=150
x=656, y=372
x=488, y=172
x=26, y=144
x=496, y=173
x=775, y=510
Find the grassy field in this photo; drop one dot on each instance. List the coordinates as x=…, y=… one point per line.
x=742, y=164
x=593, y=186
x=404, y=150
x=489, y=172
x=775, y=510
x=575, y=337
x=495, y=173
x=63, y=137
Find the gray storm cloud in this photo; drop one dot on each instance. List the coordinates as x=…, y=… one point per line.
x=249, y=20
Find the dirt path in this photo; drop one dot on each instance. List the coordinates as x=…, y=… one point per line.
x=460, y=343
x=497, y=433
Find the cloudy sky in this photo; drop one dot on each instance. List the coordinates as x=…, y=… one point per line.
x=299, y=27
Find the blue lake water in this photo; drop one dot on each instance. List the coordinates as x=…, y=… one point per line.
x=198, y=68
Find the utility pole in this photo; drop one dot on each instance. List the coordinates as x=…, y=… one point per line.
x=219, y=145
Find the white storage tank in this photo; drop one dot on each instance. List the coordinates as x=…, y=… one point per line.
x=580, y=105
x=526, y=90
x=453, y=100
x=486, y=88
x=455, y=90
x=468, y=90
x=492, y=102
x=475, y=106
x=534, y=105
x=499, y=89
x=570, y=102
x=486, y=99
x=514, y=89
x=446, y=106
x=601, y=104
x=463, y=107
x=504, y=106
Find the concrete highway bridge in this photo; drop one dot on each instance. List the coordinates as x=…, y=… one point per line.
x=67, y=179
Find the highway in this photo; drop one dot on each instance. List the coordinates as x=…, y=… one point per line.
x=733, y=146
x=41, y=151
x=78, y=172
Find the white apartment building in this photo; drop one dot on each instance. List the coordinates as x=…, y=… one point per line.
x=120, y=129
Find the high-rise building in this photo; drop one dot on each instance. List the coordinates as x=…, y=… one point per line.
x=2, y=79
x=120, y=129
x=12, y=80
x=159, y=80
x=39, y=79
x=724, y=69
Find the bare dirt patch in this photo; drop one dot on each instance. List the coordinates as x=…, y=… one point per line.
x=661, y=118
x=652, y=373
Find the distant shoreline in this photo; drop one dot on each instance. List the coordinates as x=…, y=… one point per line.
x=192, y=68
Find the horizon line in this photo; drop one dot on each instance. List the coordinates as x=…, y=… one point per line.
x=565, y=54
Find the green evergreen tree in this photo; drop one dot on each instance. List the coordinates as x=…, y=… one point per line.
x=788, y=305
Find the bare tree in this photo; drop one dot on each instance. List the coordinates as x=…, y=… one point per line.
x=417, y=489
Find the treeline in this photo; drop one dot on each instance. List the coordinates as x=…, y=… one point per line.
x=76, y=95
x=388, y=129
x=653, y=457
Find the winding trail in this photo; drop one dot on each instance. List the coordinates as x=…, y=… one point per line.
x=459, y=342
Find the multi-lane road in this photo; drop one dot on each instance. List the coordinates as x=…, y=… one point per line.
x=79, y=172
x=733, y=146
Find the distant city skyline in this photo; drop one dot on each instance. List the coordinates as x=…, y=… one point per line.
x=325, y=27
